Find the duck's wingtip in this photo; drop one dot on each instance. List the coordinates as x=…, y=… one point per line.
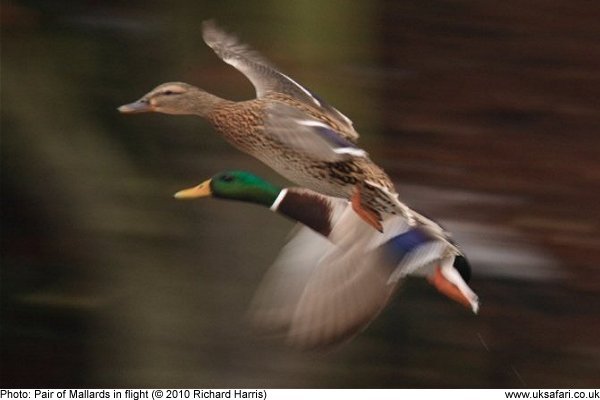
x=209, y=23
x=212, y=33
x=475, y=305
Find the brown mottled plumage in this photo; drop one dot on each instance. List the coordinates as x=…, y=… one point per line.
x=287, y=127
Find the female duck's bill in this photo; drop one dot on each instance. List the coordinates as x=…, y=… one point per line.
x=140, y=106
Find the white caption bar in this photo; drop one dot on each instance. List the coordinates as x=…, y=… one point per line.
x=298, y=394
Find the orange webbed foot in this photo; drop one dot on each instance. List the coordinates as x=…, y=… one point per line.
x=369, y=215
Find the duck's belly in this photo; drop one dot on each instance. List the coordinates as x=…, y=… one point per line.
x=338, y=179
x=322, y=177
x=297, y=167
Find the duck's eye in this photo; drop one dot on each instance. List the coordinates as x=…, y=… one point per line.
x=227, y=178
x=168, y=92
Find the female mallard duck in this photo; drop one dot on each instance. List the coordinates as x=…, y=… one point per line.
x=336, y=274
x=287, y=127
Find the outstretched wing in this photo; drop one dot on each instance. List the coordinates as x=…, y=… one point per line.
x=277, y=297
x=275, y=300
x=299, y=131
x=348, y=290
x=264, y=76
x=318, y=293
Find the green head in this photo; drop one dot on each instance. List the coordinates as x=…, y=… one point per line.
x=234, y=185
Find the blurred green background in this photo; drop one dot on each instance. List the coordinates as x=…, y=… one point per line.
x=484, y=113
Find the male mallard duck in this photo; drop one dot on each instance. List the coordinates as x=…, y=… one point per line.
x=337, y=273
x=287, y=127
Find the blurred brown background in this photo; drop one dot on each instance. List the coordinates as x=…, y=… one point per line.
x=485, y=114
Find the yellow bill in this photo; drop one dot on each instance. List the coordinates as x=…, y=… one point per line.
x=202, y=190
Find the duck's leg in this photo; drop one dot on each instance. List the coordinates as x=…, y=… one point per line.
x=369, y=215
x=386, y=200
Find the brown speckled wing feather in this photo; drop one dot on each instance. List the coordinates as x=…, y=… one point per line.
x=264, y=76
x=298, y=130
